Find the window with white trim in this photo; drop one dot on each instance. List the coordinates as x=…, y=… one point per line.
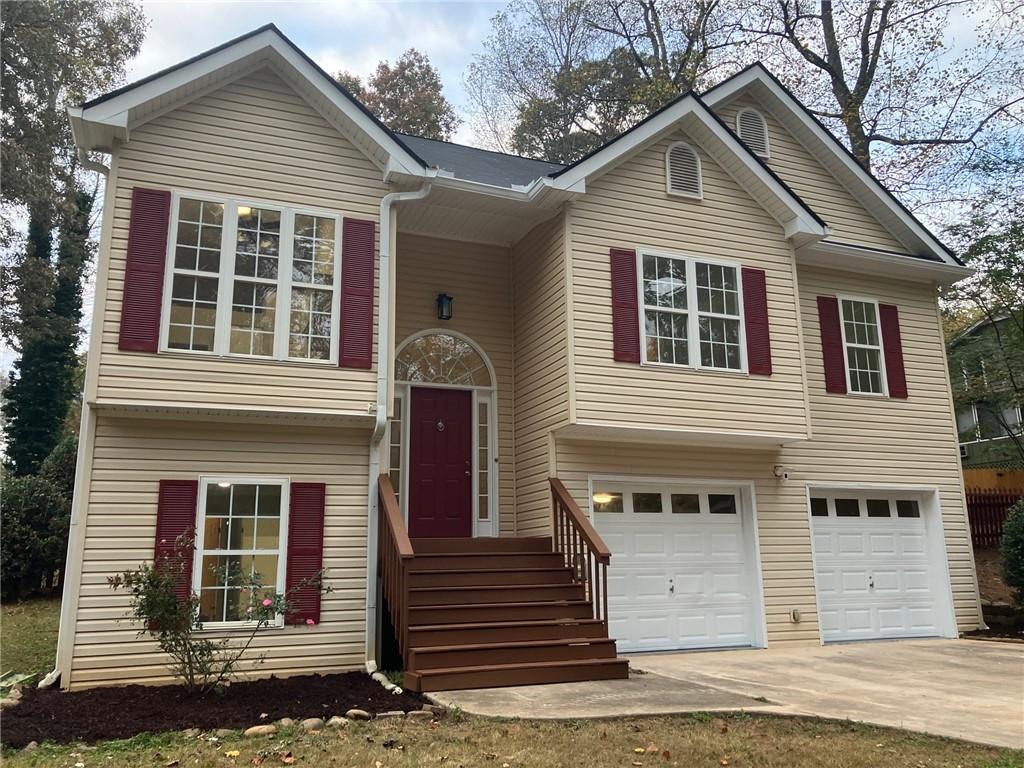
x=862, y=341
x=236, y=269
x=241, y=538
x=686, y=299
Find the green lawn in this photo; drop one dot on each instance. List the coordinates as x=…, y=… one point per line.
x=28, y=635
x=715, y=741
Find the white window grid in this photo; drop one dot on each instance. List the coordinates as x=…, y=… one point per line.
x=249, y=323
x=862, y=346
x=707, y=310
x=202, y=552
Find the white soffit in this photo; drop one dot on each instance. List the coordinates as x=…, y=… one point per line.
x=758, y=83
x=99, y=122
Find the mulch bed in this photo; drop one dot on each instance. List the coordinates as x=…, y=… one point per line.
x=98, y=714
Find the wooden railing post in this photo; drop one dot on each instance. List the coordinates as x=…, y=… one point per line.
x=582, y=548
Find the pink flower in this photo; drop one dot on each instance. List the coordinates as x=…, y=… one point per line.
x=310, y=623
x=266, y=602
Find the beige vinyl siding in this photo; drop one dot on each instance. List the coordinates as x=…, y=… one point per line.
x=478, y=277
x=132, y=456
x=628, y=207
x=254, y=138
x=864, y=439
x=849, y=221
x=541, y=347
x=782, y=518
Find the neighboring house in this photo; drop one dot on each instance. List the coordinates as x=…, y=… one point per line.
x=713, y=347
x=987, y=415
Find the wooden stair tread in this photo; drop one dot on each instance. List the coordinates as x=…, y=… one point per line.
x=526, y=665
x=508, y=569
x=468, y=587
x=513, y=644
x=528, y=603
x=504, y=624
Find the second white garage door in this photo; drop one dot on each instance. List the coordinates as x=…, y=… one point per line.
x=875, y=574
x=682, y=573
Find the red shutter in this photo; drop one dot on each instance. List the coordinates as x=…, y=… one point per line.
x=892, y=346
x=832, y=345
x=755, y=320
x=305, y=550
x=144, y=270
x=625, y=311
x=176, y=518
x=357, y=261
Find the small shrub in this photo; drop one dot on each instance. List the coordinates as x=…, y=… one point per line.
x=202, y=664
x=1012, y=549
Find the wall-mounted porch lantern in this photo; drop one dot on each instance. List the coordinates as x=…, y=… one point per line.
x=444, y=306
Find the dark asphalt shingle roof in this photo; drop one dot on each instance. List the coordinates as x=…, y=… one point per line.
x=479, y=165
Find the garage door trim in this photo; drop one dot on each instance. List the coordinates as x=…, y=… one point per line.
x=747, y=501
x=931, y=513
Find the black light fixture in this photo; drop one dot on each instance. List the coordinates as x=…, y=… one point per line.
x=444, y=306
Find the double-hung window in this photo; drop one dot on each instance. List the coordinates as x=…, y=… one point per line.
x=241, y=534
x=253, y=280
x=862, y=342
x=691, y=312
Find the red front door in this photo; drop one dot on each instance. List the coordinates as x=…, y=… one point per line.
x=441, y=463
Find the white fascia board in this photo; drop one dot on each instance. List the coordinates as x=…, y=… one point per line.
x=861, y=260
x=115, y=111
x=730, y=88
x=800, y=221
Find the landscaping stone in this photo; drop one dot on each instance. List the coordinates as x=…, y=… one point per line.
x=223, y=733
x=437, y=709
x=420, y=714
x=32, y=746
x=337, y=722
x=312, y=724
x=8, y=703
x=191, y=733
x=261, y=730
x=357, y=714
x=388, y=715
x=286, y=722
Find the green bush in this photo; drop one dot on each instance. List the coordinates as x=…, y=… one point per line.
x=1012, y=550
x=36, y=514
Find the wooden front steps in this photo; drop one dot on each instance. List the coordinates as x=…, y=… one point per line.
x=494, y=612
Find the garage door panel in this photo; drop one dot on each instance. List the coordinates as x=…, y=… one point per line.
x=873, y=575
x=677, y=581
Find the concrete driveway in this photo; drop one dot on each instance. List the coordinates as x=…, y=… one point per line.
x=962, y=688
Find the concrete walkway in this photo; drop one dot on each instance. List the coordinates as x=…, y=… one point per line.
x=962, y=688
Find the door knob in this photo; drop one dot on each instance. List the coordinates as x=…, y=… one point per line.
x=469, y=470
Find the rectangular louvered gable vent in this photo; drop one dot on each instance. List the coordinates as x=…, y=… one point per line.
x=751, y=127
x=682, y=171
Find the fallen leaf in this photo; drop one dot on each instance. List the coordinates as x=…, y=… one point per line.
x=667, y=755
x=724, y=761
x=651, y=749
x=171, y=764
x=287, y=758
x=258, y=760
x=637, y=763
x=232, y=753
x=639, y=750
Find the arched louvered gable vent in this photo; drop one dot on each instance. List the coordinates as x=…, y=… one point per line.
x=752, y=128
x=682, y=171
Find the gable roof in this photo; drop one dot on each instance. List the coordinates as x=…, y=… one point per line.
x=481, y=165
x=757, y=81
x=97, y=122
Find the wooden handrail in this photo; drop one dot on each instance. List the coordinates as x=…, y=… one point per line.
x=392, y=515
x=394, y=558
x=580, y=521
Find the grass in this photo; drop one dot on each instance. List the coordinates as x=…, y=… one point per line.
x=706, y=740
x=28, y=636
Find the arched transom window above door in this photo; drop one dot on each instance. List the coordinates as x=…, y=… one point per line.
x=441, y=358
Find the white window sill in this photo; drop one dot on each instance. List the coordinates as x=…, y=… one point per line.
x=695, y=368
x=235, y=628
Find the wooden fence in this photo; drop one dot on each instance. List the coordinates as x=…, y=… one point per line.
x=986, y=511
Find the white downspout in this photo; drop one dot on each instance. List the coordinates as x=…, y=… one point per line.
x=385, y=271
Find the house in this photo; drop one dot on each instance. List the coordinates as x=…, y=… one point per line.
x=688, y=392
x=985, y=359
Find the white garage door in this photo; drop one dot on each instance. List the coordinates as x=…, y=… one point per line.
x=872, y=567
x=680, y=575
